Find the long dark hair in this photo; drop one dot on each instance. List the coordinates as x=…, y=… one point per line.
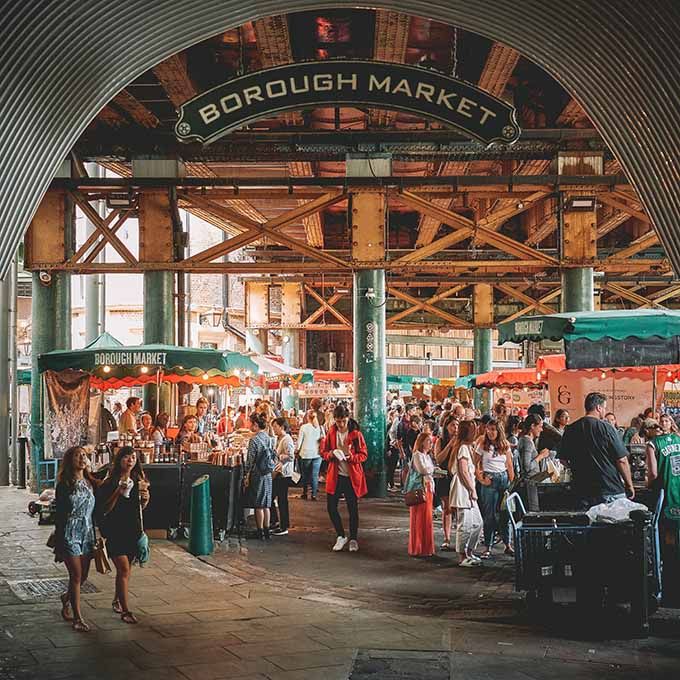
x=283, y=424
x=467, y=431
x=137, y=471
x=67, y=472
x=446, y=435
x=501, y=444
x=529, y=421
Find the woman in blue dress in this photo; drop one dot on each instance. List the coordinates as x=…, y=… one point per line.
x=260, y=463
x=74, y=533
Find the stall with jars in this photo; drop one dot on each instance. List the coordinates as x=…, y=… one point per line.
x=75, y=382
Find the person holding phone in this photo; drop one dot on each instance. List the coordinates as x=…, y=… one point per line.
x=120, y=501
x=344, y=448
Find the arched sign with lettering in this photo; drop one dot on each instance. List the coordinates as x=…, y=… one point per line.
x=426, y=92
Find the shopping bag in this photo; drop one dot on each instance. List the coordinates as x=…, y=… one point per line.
x=101, y=557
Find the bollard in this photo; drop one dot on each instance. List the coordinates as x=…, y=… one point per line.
x=201, y=530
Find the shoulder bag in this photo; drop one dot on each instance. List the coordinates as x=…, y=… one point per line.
x=414, y=489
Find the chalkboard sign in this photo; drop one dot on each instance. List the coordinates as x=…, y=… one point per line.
x=607, y=353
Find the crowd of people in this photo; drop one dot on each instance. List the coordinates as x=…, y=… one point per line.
x=445, y=457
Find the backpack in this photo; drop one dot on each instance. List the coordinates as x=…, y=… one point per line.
x=266, y=461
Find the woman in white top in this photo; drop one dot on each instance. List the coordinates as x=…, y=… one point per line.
x=309, y=438
x=285, y=453
x=495, y=471
x=463, y=496
x=421, y=528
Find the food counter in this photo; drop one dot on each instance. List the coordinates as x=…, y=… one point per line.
x=171, y=473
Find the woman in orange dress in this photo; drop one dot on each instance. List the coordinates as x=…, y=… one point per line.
x=421, y=528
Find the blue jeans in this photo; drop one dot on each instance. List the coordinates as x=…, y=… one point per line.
x=489, y=503
x=309, y=470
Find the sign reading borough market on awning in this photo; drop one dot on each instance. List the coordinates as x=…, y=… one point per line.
x=129, y=358
x=414, y=89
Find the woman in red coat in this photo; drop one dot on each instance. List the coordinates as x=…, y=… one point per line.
x=345, y=450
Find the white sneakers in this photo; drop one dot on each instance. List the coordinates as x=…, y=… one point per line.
x=469, y=562
x=342, y=541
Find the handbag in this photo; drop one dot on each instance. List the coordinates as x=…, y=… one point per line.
x=143, y=547
x=52, y=540
x=414, y=488
x=414, y=497
x=101, y=556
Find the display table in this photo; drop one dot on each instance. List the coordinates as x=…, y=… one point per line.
x=162, y=512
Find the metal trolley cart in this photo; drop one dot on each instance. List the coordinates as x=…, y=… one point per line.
x=561, y=557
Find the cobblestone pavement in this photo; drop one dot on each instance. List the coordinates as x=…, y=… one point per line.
x=292, y=610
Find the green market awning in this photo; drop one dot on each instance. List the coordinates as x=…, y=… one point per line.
x=616, y=324
x=24, y=376
x=113, y=365
x=412, y=380
x=466, y=382
x=642, y=337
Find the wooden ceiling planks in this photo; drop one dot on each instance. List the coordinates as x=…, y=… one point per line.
x=390, y=42
x=173, y=75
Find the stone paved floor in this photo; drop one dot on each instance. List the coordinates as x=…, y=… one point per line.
x=292, y=610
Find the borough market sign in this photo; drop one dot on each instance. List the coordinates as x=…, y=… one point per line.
x=414, y=89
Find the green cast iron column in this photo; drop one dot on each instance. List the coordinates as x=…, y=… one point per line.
x=159, y=327
x=578, y=294
x=483, y=361
x=50, y=330
x=370, y=372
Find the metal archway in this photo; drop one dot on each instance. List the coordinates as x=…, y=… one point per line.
x=64, y=60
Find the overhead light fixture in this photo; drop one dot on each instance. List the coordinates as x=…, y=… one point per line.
x=144, y=369
x=107, y=369
x=205, y=376
x=285, y=339
x=119, y=201
x=580, y=204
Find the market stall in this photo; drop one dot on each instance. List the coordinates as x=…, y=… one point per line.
x=73, y=383
x=647, y=344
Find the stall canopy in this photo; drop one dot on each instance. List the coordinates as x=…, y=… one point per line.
x=270, y=366
x=405, y=383
x=113, y=365
x=466, y=382
x=512, y=377
x=24, y=376
x=334, y=376
x=643, y=337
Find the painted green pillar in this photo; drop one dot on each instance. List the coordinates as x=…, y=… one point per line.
x=370, y=372
x=483, y=363
x=578, y=291
x=159, y=327
x=50, y=330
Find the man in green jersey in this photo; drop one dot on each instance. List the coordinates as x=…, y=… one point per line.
x=663, y=470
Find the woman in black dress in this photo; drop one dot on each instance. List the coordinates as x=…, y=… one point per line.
x=120, y=501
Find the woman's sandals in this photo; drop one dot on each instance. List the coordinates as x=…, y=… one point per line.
x=66, y=613
x=128, y=617
x=80, y=626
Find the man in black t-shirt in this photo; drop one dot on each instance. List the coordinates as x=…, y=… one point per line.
x=597, y=456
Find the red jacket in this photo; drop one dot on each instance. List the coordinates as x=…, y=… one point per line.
x=357, y=455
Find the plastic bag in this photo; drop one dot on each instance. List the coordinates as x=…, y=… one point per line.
x=615, y=512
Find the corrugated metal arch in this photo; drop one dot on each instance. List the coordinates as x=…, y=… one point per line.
x=64, y=60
